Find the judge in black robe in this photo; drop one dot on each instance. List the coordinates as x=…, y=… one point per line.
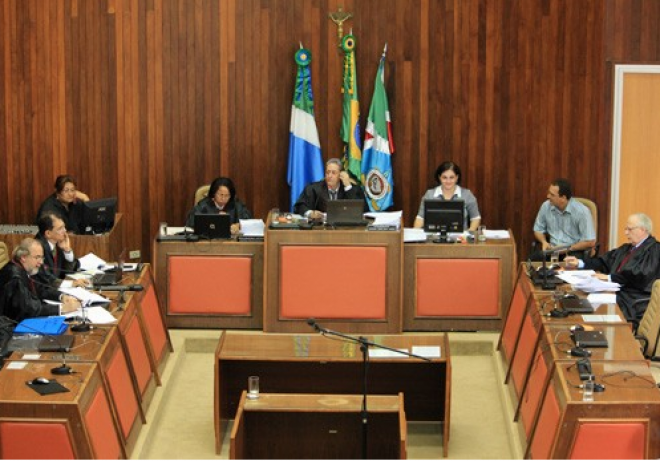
x=21, y=295
x=221, y=199
x=67, y=202
x=634, y=265
x=314, y=198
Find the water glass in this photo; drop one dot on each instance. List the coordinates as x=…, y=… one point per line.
x=253, y=388
x=588, y=391
x=481, y=232
x=554, y=258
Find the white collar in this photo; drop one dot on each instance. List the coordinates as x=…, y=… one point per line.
x=438, y=192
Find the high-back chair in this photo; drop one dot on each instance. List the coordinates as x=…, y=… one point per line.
x=648, y=331
x=4, y=254
x=594, y=215
x=201, y=192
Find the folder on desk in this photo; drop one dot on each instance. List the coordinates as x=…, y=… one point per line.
x=589, y=339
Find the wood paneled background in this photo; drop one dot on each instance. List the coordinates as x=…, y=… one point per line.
x=147, y=99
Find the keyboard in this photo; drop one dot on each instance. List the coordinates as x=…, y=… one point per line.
x=109, y=278
x=26, y=229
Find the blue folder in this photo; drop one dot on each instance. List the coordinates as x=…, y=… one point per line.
x=42, y=326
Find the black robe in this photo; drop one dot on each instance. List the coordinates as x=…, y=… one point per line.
x=22, y=297
x=50, y=272
x=235, y=209
x=72, y=217
x=636, y=276
x=315, y=196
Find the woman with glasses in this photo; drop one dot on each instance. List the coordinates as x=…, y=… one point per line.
x=221, y=199
x=66, y=202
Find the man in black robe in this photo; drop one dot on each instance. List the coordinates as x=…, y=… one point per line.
x=634, y=265
x=59, y=259
x=21, y=296
x=337, y=185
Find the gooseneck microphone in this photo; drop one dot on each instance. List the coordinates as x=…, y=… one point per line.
x=312, y=323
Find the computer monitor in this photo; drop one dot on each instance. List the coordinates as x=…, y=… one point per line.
x=442, y=216
x=99, y=215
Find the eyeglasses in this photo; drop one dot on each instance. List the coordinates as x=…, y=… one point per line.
x=630, y=228
x=68, y=191
x=38, y=258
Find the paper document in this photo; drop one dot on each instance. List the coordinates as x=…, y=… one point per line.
x=430, y=352
x=413, y=235
x=574, y=277
x=85, y=297
x=592, y=318
x=91, y=262
x=252, y=227
x=392, y=218
x=94, y=314
x=602, y=298
x=593, y=285
x=497, y=234
x=378, y=353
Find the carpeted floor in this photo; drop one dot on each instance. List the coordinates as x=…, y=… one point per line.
x=180, y=419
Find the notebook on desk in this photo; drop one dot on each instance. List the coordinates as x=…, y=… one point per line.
x=577, y=306
x=589, y=339
x=346, y=213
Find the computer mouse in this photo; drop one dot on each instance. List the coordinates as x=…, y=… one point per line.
x=577, y=328
x=40, y=381
x=570, y=296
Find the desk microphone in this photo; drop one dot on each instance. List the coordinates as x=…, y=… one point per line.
x=135, y=287
x=312, y=323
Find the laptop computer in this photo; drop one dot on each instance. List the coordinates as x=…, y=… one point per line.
x=62, y=343
x=111, y=276
x=589, y=339
x=346, y=213
x=577, y=306
x=213, y=226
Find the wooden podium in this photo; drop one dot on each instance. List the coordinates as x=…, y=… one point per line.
x=313, y=426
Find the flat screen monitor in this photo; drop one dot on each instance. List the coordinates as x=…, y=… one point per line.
x=442, y=216
x=99, y=215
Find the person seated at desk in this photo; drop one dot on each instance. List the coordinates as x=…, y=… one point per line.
x=59, y=259
x=336, y=185
x=634, y=265
x=66, y=202
x=21, y=295
x=448, y=177
x=565, y=220
x=221, y=199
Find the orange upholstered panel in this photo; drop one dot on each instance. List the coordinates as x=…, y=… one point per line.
x=100, y=427
x=532, y=396
x=35, y=441
x=210, y=284
x=544, y=435
x=123, y=394
x=355, y=288
x=513, y=320
x=154, y=321
x=523, y=356
x=458, y=287
x=138, y=355
x=602, y=440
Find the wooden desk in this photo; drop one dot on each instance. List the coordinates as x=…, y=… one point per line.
x=210, y=283
x=102, y=345
x=106, y=246
x=623, y=422
x=352, y=275
x=314, y=364
x=313, y=426
x=76, y=424
x=449, y=287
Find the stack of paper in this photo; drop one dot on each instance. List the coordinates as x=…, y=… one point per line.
x=392, y=218
x=252, y=227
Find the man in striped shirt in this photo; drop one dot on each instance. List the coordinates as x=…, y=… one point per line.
x=563, y=221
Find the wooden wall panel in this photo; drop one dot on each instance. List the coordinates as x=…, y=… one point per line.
x=147, y=99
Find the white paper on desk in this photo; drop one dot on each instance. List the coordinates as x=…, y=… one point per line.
x=413, y=235
x=85, y=297
x=497, y=234
x=593, y=318
x=378, y=353
x=430, y=352
x=252, y=227
x=81, y=275
x=593, y=285
x=385, y=218
x=573, y=277
x=126, y=267
x=95, y=314
x=91, y=262
x=177, y=230
x=16, y=365
x=602, y=298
